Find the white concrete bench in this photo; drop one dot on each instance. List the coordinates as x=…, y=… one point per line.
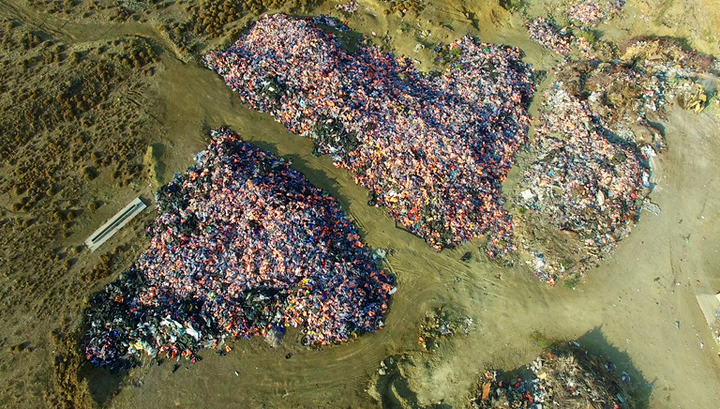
x=111, y=227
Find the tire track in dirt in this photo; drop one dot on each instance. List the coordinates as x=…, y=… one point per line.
x=506, y=310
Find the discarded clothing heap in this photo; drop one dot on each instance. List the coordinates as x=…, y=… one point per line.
x=590, y=13
x=349, y=8
x=547, y=35
x=583, y=182
x=432, y=150
x=242, y=245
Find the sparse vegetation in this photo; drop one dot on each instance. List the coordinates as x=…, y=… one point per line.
x=512, y=5
x=404, y=6
x=69, y=390
x=71, y=115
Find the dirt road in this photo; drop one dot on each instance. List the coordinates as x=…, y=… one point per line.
x=626, y=309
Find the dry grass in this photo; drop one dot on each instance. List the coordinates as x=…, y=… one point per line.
x=74, y=123
x=74, y=126
x=70, y=391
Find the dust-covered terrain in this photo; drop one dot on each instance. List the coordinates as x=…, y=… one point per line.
x=104, y=101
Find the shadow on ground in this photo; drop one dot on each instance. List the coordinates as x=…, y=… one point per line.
x=104, y=383
x=594, y=342
x=393, y=390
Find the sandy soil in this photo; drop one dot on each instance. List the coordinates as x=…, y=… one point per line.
x=626, y=309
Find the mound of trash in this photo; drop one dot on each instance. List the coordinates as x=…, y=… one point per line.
x=442, y=323
x=582, y=182
x=545, y=33
x=597, y=136
x=567, y=378
x=692, y=77
x=242, y=246
x=433, y=150
x=590, y=13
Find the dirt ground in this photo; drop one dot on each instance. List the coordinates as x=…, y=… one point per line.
x=626, y=309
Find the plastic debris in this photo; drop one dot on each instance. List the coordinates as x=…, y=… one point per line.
x=567, y=378
x=242, y=246
x=433, y=150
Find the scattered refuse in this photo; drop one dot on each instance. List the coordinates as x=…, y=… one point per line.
x=433, y=150
x=566, y=377
x=442, y=323
x=242, y=246
x=275, y=336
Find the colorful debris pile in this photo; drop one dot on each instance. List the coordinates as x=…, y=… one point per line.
x=242, y=245
x=545, y=33
x=583, y=181
x=590, y=13
x=567, y=378
x=433, y=150
x=349, y=8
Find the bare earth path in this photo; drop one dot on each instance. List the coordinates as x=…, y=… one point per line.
x=627, y=307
